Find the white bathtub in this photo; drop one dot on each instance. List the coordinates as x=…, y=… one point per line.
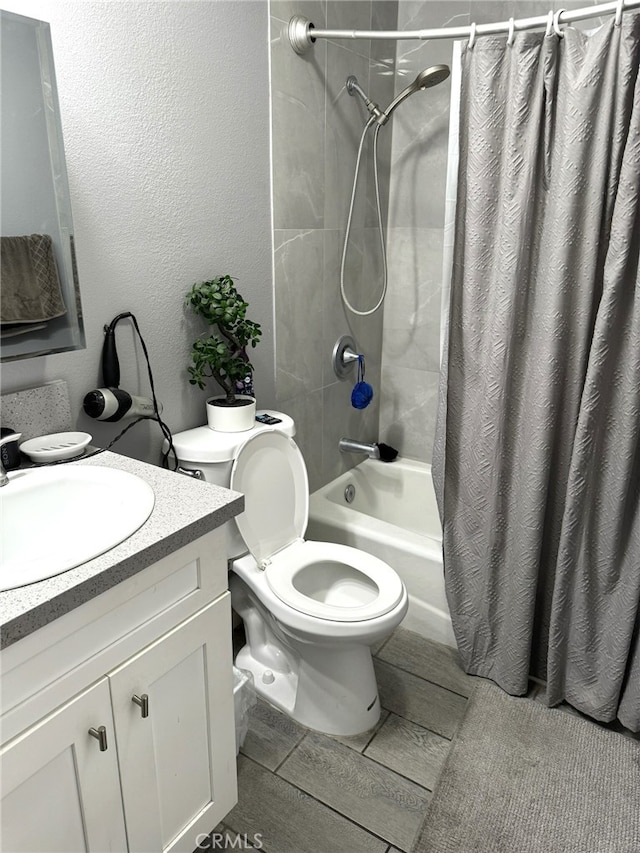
x=394, y=516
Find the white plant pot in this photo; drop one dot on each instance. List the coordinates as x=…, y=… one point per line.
x=237, y=418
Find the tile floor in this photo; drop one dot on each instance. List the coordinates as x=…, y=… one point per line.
x=303, y=792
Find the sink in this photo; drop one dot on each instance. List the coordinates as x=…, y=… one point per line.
x=54, y=519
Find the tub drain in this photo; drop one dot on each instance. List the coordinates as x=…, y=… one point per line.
x=350, y=493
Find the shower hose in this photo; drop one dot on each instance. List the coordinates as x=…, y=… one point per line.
x=343, y=294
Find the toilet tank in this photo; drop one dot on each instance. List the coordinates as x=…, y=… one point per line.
x=212, y=453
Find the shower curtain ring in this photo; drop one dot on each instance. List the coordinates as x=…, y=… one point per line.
x=472, y=36
x=619, y=10
x=512, y=32
x=556, y=24
x=549, y=30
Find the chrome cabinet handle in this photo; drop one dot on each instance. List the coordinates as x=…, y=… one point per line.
x=100, y=734
x=143, y=702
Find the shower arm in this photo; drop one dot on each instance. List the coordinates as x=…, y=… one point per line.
x=374, y=109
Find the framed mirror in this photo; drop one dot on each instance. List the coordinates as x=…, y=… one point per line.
x=40, y=294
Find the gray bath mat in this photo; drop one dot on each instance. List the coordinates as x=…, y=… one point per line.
x=521, y=778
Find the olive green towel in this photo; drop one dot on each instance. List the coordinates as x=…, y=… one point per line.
x=29, y=284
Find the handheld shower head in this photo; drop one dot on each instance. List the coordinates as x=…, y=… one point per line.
x=431, y=76
x=425, y=79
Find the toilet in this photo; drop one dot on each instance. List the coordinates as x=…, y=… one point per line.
x=311, y=610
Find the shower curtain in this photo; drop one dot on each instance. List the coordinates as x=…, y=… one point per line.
x=537, y=453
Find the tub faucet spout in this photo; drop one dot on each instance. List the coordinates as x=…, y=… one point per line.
x=350, y=445
x=373, y=451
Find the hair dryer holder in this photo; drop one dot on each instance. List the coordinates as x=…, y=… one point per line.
x=344, y=356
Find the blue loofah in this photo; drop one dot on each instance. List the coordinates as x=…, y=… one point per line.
x=362, y=393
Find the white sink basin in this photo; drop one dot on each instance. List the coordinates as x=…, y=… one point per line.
x=54, y=519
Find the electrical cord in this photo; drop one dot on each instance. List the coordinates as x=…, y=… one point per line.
x=163, y=426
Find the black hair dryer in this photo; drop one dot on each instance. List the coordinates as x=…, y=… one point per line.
x=111, y=403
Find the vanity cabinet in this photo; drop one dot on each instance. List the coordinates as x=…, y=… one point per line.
x=142, y=758
x=56, y=770
x=173, y=766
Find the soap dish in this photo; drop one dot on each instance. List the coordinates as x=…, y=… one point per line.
x=58, y=445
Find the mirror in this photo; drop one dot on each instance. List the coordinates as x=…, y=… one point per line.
x=40, y=295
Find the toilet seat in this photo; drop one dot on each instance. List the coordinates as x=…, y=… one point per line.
x=355, y=586
x=361, y=588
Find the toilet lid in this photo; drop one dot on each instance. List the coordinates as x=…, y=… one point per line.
x=270, y=471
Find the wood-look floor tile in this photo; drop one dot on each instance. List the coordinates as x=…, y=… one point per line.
x=375, y=648
x=409, y=749
x=286, y=820
x=433, y=661
x=363, y=791
x=420, y=701
x=359, y=742
x=271, y=736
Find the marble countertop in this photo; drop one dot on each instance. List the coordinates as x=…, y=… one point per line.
x=184, y=510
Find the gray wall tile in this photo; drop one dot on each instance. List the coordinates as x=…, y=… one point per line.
x=298, y=280
x=350, y=15
x=298, y=109
x=314, y=10
x=408, y=410
x=316, y=131
x=307, y=410
x=412, y=309
x=346, y=117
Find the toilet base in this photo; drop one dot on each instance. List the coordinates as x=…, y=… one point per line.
x=332, y=690
x=326, y=686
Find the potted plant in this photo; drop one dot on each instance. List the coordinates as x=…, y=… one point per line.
x=222, y=356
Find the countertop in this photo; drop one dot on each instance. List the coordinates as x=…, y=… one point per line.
x=184, y=510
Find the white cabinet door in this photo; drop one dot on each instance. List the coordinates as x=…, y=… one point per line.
x=178, y=764
x=60, y=791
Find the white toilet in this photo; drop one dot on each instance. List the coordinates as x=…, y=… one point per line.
x=311, y=610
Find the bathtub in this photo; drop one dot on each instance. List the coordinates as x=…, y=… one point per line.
x=393, y=515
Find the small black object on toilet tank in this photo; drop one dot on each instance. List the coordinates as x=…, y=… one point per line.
x=10, y=452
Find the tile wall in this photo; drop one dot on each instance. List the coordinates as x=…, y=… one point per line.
x=316, y=128
x=411, y=337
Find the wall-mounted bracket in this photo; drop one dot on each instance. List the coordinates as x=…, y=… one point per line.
x=344, y=356
x=299, y=30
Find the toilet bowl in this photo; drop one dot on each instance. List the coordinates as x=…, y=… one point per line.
x=311, y=610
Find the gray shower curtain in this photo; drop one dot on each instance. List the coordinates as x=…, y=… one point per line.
x=537, y=453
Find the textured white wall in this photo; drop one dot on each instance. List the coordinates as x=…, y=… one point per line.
x=165, y=109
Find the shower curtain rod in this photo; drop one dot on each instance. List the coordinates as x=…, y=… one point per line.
x=302, y=33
